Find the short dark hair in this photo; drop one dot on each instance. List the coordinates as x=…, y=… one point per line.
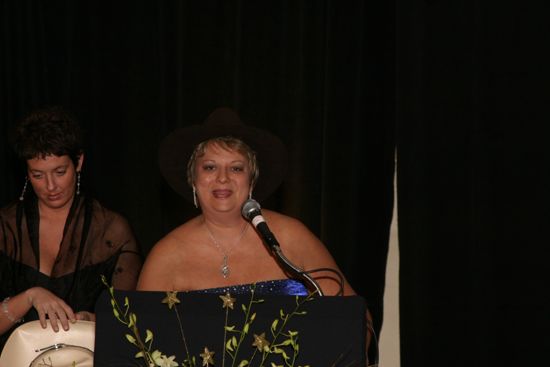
x=48, y=131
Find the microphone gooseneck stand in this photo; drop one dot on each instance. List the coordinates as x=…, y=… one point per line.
x=293, y=269
x=251, y=211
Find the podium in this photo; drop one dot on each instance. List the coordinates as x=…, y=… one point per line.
x=319, y=331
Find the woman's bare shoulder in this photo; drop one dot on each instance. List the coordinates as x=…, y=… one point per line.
x=179, y=239
x=166, y=257
x=306, y=250
x=278, y=218
x=287, y=226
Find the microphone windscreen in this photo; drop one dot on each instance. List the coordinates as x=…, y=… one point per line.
x=250, y=209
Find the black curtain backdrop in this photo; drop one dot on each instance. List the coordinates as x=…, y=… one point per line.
x=461, y=89
x=472, y=108
x=319, y=74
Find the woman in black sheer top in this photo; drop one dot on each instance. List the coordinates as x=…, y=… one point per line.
x=55, y=243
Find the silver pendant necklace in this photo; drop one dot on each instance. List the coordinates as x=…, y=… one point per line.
x=224, y=268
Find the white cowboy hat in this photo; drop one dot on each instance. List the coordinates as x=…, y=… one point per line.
x=31, y=345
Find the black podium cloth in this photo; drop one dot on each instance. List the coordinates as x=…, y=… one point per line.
x=331, y=333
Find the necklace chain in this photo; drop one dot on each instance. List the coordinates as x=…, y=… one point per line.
x=224, y=268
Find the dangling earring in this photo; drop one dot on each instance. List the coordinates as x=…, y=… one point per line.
x=78, y=183
x=195, y=197
x=250, y=194
x=22, y=196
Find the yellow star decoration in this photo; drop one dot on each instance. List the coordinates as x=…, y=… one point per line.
x=207, y=357
x=228, y=301
x=260, y=342
x=171, y=299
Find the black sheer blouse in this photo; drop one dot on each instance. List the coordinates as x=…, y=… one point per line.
x=96, y=241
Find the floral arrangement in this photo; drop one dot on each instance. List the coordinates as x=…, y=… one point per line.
x=242, y=346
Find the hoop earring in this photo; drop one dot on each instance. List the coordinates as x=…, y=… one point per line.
x=195, y=197
x=78, y=183
x=22, y=196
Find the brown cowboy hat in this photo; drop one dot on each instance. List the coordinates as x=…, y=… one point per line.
x=176, y=149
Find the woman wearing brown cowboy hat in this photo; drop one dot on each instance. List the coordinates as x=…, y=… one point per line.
x=218, y=166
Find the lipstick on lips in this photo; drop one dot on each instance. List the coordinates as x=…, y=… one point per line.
x=222, y=193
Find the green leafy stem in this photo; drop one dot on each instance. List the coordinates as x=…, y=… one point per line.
x=123, y=314
x=233, y=337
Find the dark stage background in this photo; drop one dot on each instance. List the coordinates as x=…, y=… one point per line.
x=460, y=89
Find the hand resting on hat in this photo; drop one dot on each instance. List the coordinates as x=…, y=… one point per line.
x=50, y=308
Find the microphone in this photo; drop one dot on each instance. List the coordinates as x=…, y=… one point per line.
x=251, y=210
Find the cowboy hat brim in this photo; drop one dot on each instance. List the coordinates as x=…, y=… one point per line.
x=176, y=149
x=29, y=342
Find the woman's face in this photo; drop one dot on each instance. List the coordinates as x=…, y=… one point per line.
x=53, y=179
x=222, y=179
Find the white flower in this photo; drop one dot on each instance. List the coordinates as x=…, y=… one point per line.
x=164, y=361
x=156, y=354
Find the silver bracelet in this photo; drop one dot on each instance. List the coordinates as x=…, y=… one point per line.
x=7, y=313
